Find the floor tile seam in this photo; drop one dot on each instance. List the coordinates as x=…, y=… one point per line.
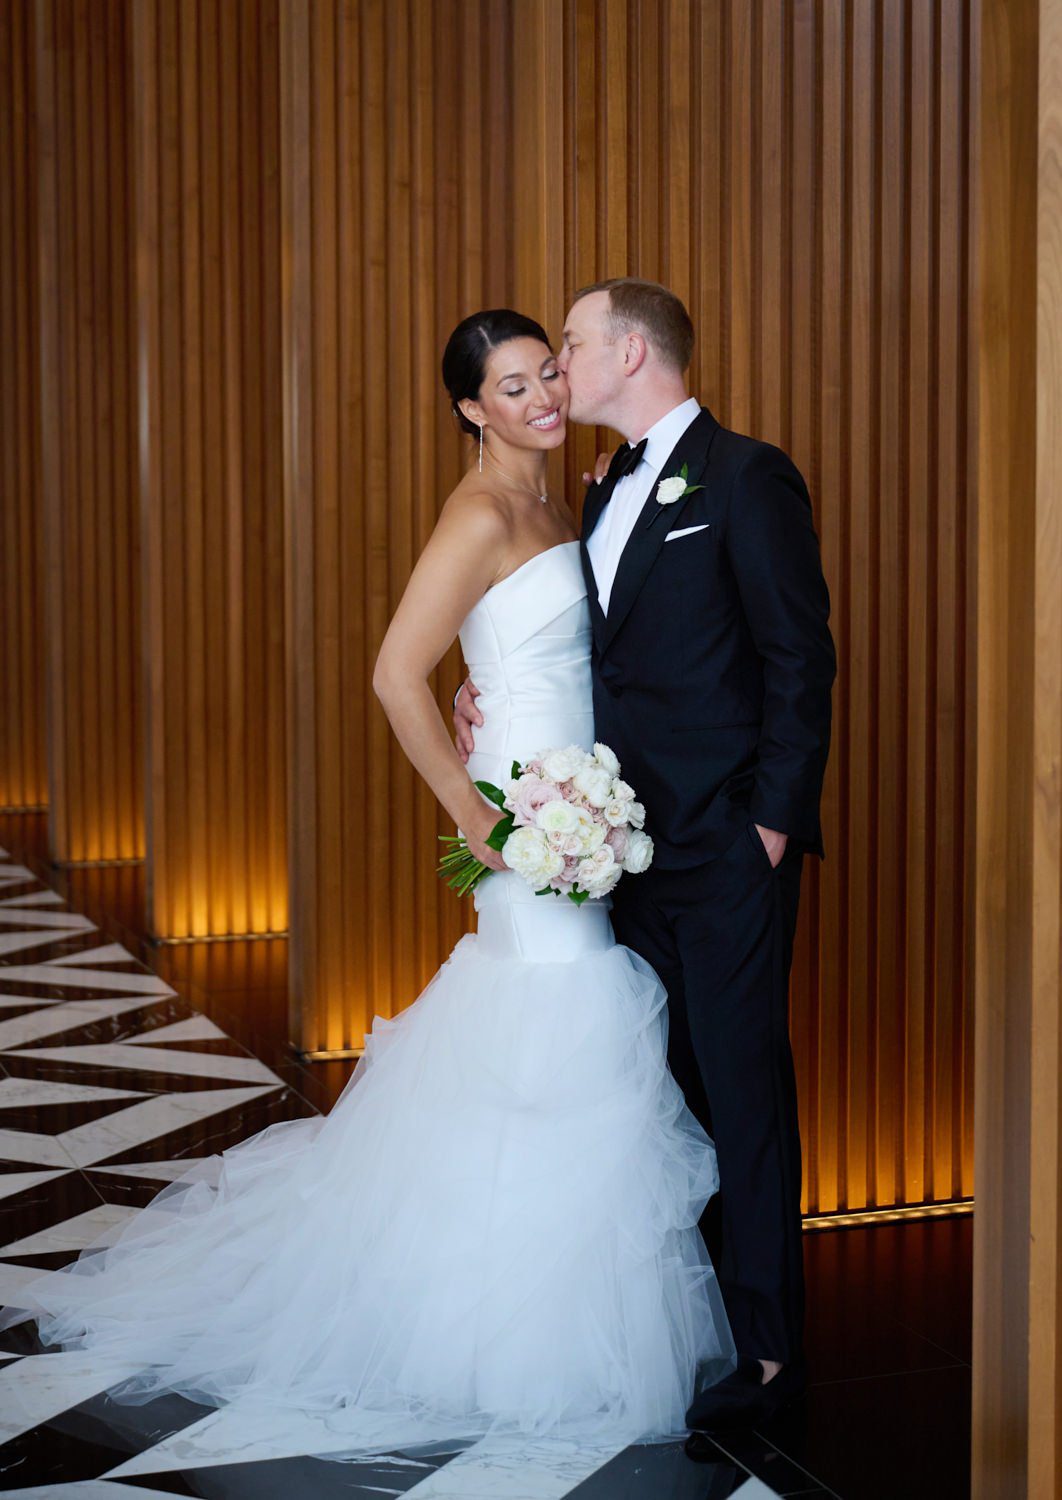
x=934, y=1343
x=820, y=1385
x=141, y=948
x=109, y=926
x=816, y=1483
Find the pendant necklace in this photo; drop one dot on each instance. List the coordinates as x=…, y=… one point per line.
x=515, y=482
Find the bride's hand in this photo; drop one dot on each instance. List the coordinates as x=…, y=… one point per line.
x=477, y=840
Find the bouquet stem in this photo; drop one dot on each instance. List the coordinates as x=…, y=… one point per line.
x=459, y=867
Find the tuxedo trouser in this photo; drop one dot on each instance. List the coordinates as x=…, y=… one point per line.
x=720, y=936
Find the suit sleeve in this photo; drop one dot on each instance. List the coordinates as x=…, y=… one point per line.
x=775, y=556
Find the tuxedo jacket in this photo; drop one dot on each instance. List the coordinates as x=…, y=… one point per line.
x=713, y=667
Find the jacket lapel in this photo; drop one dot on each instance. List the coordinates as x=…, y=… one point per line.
x=650, y=530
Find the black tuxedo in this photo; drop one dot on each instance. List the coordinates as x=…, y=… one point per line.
x=712, y=674
x=713, y=667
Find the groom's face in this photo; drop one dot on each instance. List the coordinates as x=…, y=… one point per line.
x=592, y=362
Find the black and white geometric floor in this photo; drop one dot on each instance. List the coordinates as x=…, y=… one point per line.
x=110, y=1086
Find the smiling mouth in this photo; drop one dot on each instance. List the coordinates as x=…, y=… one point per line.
x=551, y=419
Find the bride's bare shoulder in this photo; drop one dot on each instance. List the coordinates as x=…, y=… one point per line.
x=473, y=512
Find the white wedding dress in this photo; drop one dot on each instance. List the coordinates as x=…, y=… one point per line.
x=494, y=1230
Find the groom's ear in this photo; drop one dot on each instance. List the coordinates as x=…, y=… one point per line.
x=635, y=350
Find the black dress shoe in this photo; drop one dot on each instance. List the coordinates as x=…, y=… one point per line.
x=742, y=1399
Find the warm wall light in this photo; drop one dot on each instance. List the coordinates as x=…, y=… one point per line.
x=334, y=1054
x=97, y=864
x=865, y=1217
x=217, y=937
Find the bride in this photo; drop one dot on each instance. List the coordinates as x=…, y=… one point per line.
x=494, y=1231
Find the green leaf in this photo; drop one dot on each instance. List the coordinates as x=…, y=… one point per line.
x=517, y=768
x=578, y=897
x=501, y=831
x=547, y=890
x=492, y=793
x=684, y=471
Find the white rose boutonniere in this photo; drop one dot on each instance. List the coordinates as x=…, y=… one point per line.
x=676, y=487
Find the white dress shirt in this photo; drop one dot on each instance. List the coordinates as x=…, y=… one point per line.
x=616, y=522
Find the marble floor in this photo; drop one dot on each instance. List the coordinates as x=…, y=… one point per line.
x=112, y=1082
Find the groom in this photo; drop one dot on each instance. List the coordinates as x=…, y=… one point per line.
x=712, y=670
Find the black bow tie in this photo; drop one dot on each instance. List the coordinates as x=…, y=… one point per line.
x=628, y=458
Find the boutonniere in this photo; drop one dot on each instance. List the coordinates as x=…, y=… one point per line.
x=674, y=488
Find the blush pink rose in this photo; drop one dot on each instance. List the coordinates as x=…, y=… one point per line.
x=529, y=794
x=616, y=839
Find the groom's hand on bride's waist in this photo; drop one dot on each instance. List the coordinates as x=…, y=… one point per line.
x=466, y=715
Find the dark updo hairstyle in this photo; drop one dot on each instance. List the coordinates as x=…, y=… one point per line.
x=465, y=361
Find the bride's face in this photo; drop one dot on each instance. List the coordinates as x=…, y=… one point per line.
x=524, y=397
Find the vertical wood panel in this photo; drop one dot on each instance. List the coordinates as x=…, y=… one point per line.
x=1017, y=1387
x=398, y=176
x=207, y=194
x=23, y=765
x=1005, y=300
x=86, y=432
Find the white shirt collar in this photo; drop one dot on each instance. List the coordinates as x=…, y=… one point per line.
x=663, y=435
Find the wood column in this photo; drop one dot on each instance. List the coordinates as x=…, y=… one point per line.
x=1017, y=1398
x=23, y=769
x=397, y=214
x=86, y=432
x=209, y=381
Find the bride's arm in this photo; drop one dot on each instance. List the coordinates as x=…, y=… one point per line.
x=462, y=559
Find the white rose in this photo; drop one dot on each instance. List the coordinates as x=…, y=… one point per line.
x=590, y=833
x=595, y=783
x=622, y=792
x=639, y=855
x=616, y=812
x=562, y=765
x=527, y=851
x=558, y=817
x=636, y=815
x=599, y=871
x=606, y=757
x=670, y=490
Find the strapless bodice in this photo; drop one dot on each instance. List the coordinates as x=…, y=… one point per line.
x=527, y=647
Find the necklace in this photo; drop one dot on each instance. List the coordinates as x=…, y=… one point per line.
x=515, y=482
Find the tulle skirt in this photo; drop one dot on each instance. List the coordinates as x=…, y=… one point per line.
x=493, y=1231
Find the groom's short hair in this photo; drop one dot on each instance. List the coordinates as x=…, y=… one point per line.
x=651, y=310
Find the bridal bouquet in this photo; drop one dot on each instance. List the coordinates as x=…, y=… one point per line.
x=571, y=827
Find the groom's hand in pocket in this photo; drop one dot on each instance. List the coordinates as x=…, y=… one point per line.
x=774, y=842
x=466, y=715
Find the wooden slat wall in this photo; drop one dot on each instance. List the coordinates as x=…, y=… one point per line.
x=23, y=773
x=799, y=172
x=322, y=188
x=208, y=298
x=87, y=432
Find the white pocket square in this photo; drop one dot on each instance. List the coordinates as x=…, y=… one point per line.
x=686, y=531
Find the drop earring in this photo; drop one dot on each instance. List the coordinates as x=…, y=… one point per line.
x=481, y=447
